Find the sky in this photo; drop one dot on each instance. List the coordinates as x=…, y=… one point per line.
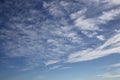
x=59, y=39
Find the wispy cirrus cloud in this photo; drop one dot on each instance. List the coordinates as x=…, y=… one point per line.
x=109, y=15
x=108, y=2
x=36, y=37
x=117, y=65
x=93, y=23
x=59, y=67
x=51, y=62
x=47, y=33
x=63, y=68
x=113, y=73
x=109, y=75
x=55, y=67
x=109, y=47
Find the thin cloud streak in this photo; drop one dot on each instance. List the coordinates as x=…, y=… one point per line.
x=109, y=75
x=109, y=47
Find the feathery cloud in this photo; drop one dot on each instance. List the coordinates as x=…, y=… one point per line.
x=51, y=62
x=109, y=47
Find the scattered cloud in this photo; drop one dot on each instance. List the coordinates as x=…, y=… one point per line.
x=93, y=23
x=47, y=34
x=113, y=73
x=117, y=65
x=108, y=2
x=27, y=69
x=109, y=47
x=65, y=68
x=100, y=37
x=109, y=15
x=114, y=2
x=78, y=14
x=89, y=34
x=53, y=9
x=59, y=67
x=109, y=75
x=55, y=67
x=86, y=24
x=50, y=62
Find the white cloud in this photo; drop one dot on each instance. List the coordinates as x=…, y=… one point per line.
x=100, y=37
x=64, y=4
x=65, y=68
x=78, y=13
x=106, y=4
x=110, y=2
x=93, y=23
x=86, y=24
x=38, y=38
x=38, y=44
x=117, y=30
x=109, y=75
x=113, y=41
x=59, y=67
x=114, y=73
x=82, y=22
x=53, y=9
x=90, y=54
x=55, y=67
x=109, y=15
x=117, y=65
x=27, y=69
x=89, y=34
x=114, y=2
x=52, y=41
x=50, y=62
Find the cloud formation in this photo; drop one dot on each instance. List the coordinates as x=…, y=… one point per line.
x=109, y=47
x=54, y=32
x=109, y=75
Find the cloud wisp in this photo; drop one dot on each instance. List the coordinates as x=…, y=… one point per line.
x=109, y=47
x=109, y=75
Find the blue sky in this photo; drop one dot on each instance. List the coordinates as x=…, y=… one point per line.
x=59, y=39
